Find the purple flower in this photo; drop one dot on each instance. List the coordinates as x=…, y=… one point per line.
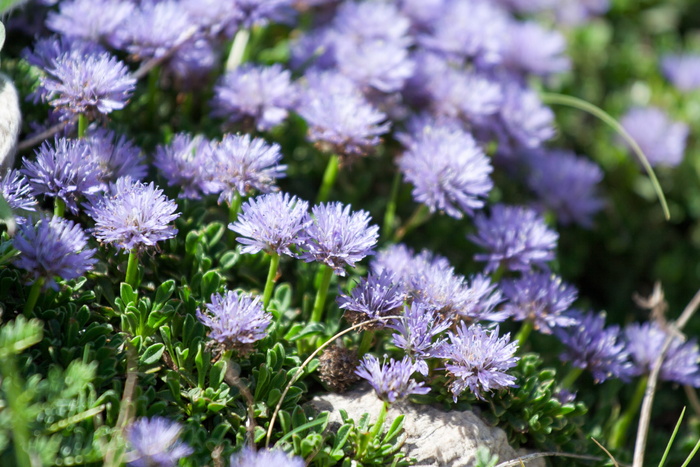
x=15, y=188
x=644, y=343
x=116, y=155
x=338, y=238
x=187, y=163
x=89, y=19
x=155, y=443
x=478, y=360
x=243, y=164
x=383, y=66
x=249, y=457
x=661, y=139
x=528, y=122
x=263, y=94
x=219, y=17
x=48, y=50
x=272, y=223
x=391, y=380
x=566, y=184
x=64, y=171
x=93, y=84
x=573, y=12
x=404, y=264
x=375, y=296
x=53, y=247
x=236, y=320
x=374, y=20
x=516, y=238
x=463, y=94
x=536, y=50
x=416, y=332
x=260, y=12
x=133, y=216
x=590, y=345
x=340, y=120
x=449, y=171
x=683, y=71
x=540, y=298
x=191, y=64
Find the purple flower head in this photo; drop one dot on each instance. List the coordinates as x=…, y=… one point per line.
x=244, y=164
x=375, y=296
x=449, y=171
x=374, y=65
x=64, y=171
x=478, y=359
x=272, y=223
x=535, y=50
x=263, y=94
x=516, y=238
x=249, y=457
x=116, y=155
x=683, y=71
x=93, y=84
x=540, y=298
x=422, y=13
x=359, y=22
x=391, y=379
x=92, y=20
x=644, y=343
x=191, y=64
x=463, y=94
x=340, y=119
x=661, y=139
x=260, y=12
x=566, y=184
x=187, y=163
x=404, y=264
x=337, y=237
x=155, y=443
x=48, y=50
x=528, y=122
x=236, y=320
x=218, y=17
x=133, y=216
x=574, y=12
x=416, y=332
x=15, y=188
x=590, y=345
x=53, y=247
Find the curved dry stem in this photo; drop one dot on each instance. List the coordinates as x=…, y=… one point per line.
x=580, y=104
x=299, y=372
x=612, y=458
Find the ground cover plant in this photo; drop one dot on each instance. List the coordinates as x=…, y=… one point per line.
x=219, y=209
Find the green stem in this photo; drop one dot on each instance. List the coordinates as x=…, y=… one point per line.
x=418, y=218
x=33, y=297
x=153, y=78
x=365, y=343
x=271, y=275
x=82, y=125
x=132, y=269
x=390, y=213
x=235, y=56
x=619, y=430
x=327, y=274
x=377, y=428
x=329, y=177
x=59, y=207
x=234, y=207
x=498, y=274
x=554, y=98
x=524, y=332
x=571, y=377
x=18, y=410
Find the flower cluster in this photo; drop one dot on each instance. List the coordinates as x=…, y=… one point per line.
x=391, y=379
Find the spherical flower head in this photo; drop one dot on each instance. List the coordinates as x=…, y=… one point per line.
x=375, y=296
x=592, y=346
x=272, y=223
x=191, y=64
x=340, y=120
x=52, y=248
x=567, y=184
x=243, y=164
x=374, y=65
x=249, y=457
x=116, y=155
x=416, y=332
x=477, y=359
x=15, y=188
x=644, y=343
x=236, y=320
x=661, y=139
x=259, y=93
x=91, y=85
x=458, y=93
x=155, y=443
x=134, y=216
x=218, y=17
x=359, y=22
x=187, y=163
x=337, y=237
x=532, y=49
x=49, y=49
x=529, y=123
x=683, y=71
x=516, y=238
x=404, y=264
x=449, y=172
x=92, y=20
x=64, y=170
x=260, y=12
x=391, y=379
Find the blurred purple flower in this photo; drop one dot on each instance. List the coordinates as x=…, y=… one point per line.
x=383, y=66
x=52, y=248
x=661, y=139
x=682, y=70
x=48, y=50
x=89, y=19
x=249, y=457
x=155, y=443
x=260, y=12
x=516, y=239
x=375, y=296
x=15, y=188
x=372, y=20
x=190, y=65
x=187, y=163
x=416, y=331
x=404, y=264
x=526, y=119
x=391, y=379
x=534, y=49
x=272, y=223
x=463, y=94
x=337, y=237
x=116, y=155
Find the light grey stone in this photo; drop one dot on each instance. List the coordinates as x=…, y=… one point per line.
x=10, y=122
x=433, y=437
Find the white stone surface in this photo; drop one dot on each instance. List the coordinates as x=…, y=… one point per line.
x=10, y=122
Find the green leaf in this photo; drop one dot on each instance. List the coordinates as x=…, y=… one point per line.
x=17, y=335
x=163, y=294
x=228, y=260
x=127, y=294
x=210, y=283
x=152, y=354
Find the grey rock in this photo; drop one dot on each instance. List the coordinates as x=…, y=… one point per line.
x=433, y=437
x=10, y=122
